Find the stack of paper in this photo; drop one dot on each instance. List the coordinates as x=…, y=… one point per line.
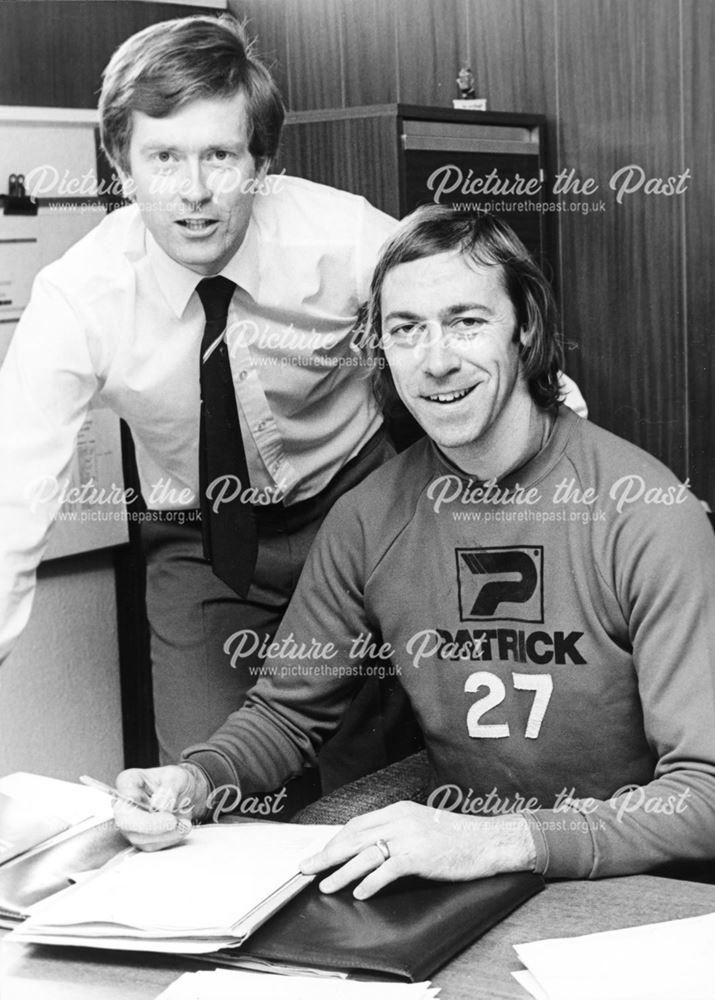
x=208, y=893
x=222, y=984
x=34, y=809
x=38, y=817
x=653, y=962
x=23, y=826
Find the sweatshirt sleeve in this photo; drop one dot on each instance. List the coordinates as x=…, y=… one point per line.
x=309, y=676
x=662, y=572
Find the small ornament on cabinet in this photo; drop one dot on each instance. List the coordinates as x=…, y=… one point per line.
x=468, y=100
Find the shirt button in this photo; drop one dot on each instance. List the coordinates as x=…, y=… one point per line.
x=262, y=425
x=242, y=375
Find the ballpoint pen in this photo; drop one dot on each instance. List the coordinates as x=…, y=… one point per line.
x=115, y=794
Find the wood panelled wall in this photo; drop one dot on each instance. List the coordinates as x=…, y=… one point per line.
x=52, y=52
x=622, y=82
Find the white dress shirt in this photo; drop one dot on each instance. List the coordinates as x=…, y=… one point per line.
x=116, y=320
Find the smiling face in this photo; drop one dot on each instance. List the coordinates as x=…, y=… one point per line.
x=449, y=334
x=193, y=179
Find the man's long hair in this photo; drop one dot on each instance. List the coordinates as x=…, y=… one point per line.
x=487, y=242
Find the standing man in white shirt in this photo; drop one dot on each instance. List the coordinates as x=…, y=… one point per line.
x=191, y=120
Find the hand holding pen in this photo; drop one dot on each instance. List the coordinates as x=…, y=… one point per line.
x=154, y=807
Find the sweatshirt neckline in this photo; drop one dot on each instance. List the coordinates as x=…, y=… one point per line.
x=537, y=468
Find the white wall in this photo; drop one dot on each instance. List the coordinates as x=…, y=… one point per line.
x=60, y=710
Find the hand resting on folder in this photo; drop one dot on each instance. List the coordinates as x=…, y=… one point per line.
x=420, y=840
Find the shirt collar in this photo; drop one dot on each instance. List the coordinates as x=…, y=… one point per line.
x=178, y=283
x=243, y=268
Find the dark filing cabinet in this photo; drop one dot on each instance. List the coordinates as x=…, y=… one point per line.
x=400, y=156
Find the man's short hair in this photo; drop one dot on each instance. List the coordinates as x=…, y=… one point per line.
x=488, y=242
x=166, y=65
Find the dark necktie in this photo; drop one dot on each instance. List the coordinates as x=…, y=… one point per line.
x=228, y=524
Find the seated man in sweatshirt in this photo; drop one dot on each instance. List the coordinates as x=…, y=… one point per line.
x=544, y=589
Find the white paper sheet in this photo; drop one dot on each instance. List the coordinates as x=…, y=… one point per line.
x=226, y=984
x=199, y=896
x=661, y=961
x=205, y=884
x=524, y=978
x=51, y=796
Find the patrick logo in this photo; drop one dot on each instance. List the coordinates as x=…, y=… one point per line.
x=501, y=583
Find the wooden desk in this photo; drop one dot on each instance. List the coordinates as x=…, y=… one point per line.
x=480, y=973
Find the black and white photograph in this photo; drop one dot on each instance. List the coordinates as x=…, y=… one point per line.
x=357, y=492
